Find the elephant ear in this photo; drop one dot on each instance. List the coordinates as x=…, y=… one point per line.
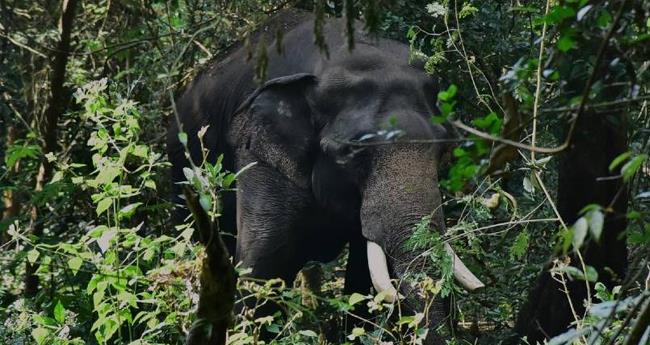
x=274, y=126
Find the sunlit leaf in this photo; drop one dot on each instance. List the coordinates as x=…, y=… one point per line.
x=59, y=312
x=32, y=255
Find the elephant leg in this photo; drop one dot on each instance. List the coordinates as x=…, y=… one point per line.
x=271, y=212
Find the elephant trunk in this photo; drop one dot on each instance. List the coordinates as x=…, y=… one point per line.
x=400, y=192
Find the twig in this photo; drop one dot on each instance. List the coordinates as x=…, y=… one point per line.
x=597, y=105
x=483, y=135
x=538, y=87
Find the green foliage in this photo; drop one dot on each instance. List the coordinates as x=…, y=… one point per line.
x=111, y=269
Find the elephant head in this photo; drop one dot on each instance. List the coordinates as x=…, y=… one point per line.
x=325, y=125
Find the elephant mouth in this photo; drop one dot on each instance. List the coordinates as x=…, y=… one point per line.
x=380, y=277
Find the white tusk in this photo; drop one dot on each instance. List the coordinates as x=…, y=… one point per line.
x=379, y=272
x=466, y=278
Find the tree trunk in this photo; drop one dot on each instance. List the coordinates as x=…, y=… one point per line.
x=218, y=281
x=48, y=124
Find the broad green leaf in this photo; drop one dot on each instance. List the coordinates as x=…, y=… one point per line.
x=32, y=255
x=182, y=137
x=630, y=168
x=308, y=333
x=40, y=334
x=528, y=185
x=356, y=298
x=15, y=153
x=356, y=332
x=604, y=19
x=59, y=312
x=106, y=175
x=127, y=211
x=97, y=231
x=128, y=298
x=596, y=221
x=590, y=275
x=558, y=14
x=579, y=232
x=405, y=320
x=619, y=159
x=103, y=205
x=140, y=151
x=58, y=176
x=452, y=90
x=228, y=180
x=206, y=202
x=565, y=43
x=75, y=263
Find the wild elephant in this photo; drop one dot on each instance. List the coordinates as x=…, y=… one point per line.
x=314, y=188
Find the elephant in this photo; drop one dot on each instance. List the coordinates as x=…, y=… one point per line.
x=324, y=177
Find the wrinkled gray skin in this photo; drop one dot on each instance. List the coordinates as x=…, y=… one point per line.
x=310, y=193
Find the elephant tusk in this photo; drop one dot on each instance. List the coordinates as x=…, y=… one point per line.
x=381, y=279
x=464, y=276
x=379, y=272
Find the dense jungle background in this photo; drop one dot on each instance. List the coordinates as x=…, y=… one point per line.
x=547, y=196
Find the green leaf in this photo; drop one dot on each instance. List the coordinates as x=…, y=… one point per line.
x=619, y=159
x=127, y=211
x=150, y=184
x=490, y=122
x=604, y=19
x=141, y=151
x=206, y=202
x=448, y=95
x=59, y=312
x=565, y=43
x=356, y=298
x=32, y=255
x=630, y=168
x=228, y=180
x=106, y=175
x=182, y=137
x=75, y=263
x=308, y=333
x=520, y=245
x=596, y=221
x=575, y=273
x=357, y=332
x=452, y=90
x=405, y=320
x=15, y=153
x=40, y=334
x=128, y=298
x=103, y=205
x=579, y=232
x=558, y=14
x=591, y=274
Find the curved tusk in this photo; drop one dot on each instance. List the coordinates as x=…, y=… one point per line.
x=379, y=271
x=466, y=278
